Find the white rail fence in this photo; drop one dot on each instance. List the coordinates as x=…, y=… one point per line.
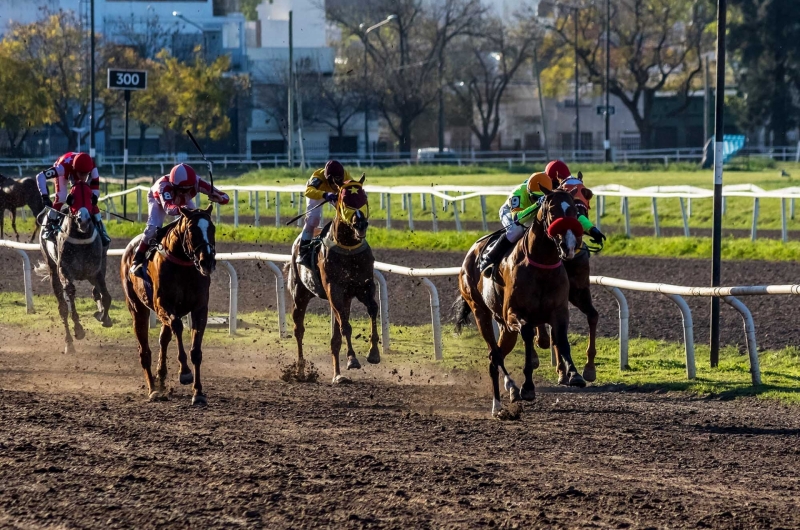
x=615, y=286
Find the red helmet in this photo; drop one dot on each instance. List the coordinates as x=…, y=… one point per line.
x=183, y=176
x=334, y=171
x=557, y=170
x=82, y=163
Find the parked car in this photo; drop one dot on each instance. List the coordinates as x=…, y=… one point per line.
x=432, y=154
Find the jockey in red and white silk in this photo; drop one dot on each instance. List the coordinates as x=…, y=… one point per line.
x=168, y=195
x=69, y=169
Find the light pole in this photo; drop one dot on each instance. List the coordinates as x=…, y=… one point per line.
x=92, y=145
x=80, y=131
x=607, y=142
x=366, y=100
x=177, y=14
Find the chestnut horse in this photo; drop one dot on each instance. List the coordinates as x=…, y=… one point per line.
x=178, y=280
x=18, y=194
x=76, y=253
x=343, y=271
x=532, y=290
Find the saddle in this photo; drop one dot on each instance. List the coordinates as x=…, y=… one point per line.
x=313, y=281
x=155, y=243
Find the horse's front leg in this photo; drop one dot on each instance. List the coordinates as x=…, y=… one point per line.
x=199, y=320
x=301, y=297
x=583, y=301
x=69, y=298
x=367, y=297
x=560, y=325
x=164, y=339
x=63, y=310
x=14, y=222
x=176, y=324
x=102, y=298
x=531, y=363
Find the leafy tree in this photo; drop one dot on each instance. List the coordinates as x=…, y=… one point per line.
x=656, y=45
x=765, y=39
x=24, y=103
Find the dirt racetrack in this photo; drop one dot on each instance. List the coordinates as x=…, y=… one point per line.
x=80, y=448
x=652, y=315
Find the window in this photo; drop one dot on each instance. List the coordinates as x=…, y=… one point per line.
x=533, y=142
x=629, y=141
x=268, y=147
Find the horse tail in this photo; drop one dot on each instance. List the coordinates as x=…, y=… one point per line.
x=461, y=313
x=42, y=270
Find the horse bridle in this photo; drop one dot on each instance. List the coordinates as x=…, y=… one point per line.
x=192, y=253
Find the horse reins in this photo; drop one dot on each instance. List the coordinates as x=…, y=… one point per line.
x=528, y=256
x=194, y=260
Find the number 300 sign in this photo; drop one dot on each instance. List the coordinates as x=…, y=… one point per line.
x=127, y=79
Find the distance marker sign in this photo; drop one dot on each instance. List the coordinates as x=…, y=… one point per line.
x=127, y=79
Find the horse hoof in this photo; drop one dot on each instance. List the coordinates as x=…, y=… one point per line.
x=353, y=364
x=69, y=349
x=374, y=358
x=528, y=394
x=589, y=373
x=107, y=323
x=98, y=315
x=79, y=332
x=340, y=380
x=187, y=378
x=513, y=394
x=199, y=400
x=577, y=380
x=156, y=396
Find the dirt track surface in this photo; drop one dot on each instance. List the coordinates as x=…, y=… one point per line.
x=80, y=448
x=652, y=315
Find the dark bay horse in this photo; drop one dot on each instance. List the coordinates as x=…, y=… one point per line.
x=18, y=194
x=532, y=290
x=76, y=254
x=178, y=280
x=343, y=271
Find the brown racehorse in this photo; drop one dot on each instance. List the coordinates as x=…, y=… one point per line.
x=180, y=274
x=18, y=194
x=532, y=290
x=344, y=269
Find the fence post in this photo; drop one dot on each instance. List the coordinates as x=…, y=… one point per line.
x=383, y=201
x=685, y=219
x=784, y=235
x=249, y=196
x=218, y=213
x=383, y=306
x=300, y=208
x=485, y=225
x=410, y=212
x=750, y=337
x=280, y=289
x=603, y=205
x=277, y=209
x=138, y=206
x=463, y=205
x=153, y=319
x=624, y=317
x=434, y=217
x=435, y=319
x=627, y=211
x=791, y=208
x=597, y=213
x=689, y=207
x=422, y=201
x=236, y=208
x=233, y=303
x=688, y=334
x=388, y=211
x=403, y=200
x=457, y=218
x=26, y=276
x=255, y=214
x=724, y=205
x=754, y=228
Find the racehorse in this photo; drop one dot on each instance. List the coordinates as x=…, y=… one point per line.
x=580, y=294
x=76, y=254
x=177, y=284
x=532, y=290
x=18, y=194
x=343, y=271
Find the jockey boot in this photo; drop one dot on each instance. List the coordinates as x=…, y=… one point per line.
x=489, y=260
x=139, y=262
x=98, y=223
x=50, y=228
x=305, y=252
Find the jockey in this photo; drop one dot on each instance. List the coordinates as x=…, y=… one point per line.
x=323, y=186
x=521, y=206
x=68, y=169
x=561, y=177
x=167, y=196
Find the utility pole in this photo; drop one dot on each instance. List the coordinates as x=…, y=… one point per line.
x=441, y=99
x=577, y=96
x=291, y=95
x=716, y=237
x=541, y=101
x=706, y=103
x=607, y=142
x=91, y=81
x=366, y=103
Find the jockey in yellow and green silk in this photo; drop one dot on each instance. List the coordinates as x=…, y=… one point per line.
x=323, y=186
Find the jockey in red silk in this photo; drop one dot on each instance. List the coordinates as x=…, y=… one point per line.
x=560, y=175
x=167, y=196
x=69, y=169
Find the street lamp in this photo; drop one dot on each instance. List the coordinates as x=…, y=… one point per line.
x=178, y=14
x=80, y=131
x=366, y=101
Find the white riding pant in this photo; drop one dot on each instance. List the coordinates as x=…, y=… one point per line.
x=514, y=231
x=312, y=219
x=156, y=216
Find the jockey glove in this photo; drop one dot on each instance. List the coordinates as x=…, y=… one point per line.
x=596, y=236
x=221, y=198
x=46, y=200
x=330, y=197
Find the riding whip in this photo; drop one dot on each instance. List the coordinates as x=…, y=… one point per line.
x=295, y=218
x=210, y=175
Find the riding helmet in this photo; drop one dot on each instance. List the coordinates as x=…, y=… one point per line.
x=183, y=176
x=82, y=163
x=334, y=171
x=537, y=181
x=557, y=170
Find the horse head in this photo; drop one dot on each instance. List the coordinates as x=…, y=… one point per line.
x=580, y=193
x=560, y=218
x=352, y=207
x=199, y=239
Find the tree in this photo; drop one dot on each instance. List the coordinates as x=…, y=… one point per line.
x=22, y=109
x=765, y=39
x=337, y=99
x=404, y=54
x=489, y=60
x=656, y=46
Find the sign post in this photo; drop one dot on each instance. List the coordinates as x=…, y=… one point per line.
x=126, y=80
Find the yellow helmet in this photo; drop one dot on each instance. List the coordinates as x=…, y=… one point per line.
x=539, y=181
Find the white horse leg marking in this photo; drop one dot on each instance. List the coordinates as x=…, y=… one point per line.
x=497, y=406
x=509, y=383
